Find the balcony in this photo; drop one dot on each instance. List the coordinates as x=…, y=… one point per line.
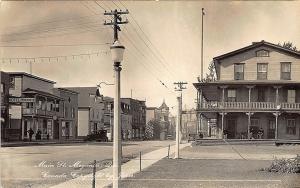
x=31, y=112
x=246, y=106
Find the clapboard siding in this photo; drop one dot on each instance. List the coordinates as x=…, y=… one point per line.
x=226, y=66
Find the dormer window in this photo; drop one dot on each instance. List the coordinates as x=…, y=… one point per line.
x=262, y=53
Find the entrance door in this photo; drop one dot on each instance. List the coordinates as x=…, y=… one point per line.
x=55, y=129
x=231, y=127
x=271, y=129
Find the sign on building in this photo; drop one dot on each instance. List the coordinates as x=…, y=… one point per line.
x=21, y=100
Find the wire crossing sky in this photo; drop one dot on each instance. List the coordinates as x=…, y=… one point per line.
x=162, y=40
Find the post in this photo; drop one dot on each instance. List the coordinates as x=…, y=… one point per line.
x=202, y=45
x=117, y=129
x=140, y=161
x=94, y=174
x=169, y=151
x=249, y=123
x=222, y=133
x=276, y=125
x=177, y=129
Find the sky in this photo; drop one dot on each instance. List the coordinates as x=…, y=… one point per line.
x=162, y=41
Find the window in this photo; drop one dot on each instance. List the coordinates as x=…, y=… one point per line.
x=254, y=122
x=291, y=127
x=66, y=111
x=12, y=83
x=73, y=112
x=272, y=125
x=231, y=95
x=262, y=71
x=2, y=88
x=291, y=97
x=239, y=71
x=262, y=53
x=285, y=71
x=261, y=94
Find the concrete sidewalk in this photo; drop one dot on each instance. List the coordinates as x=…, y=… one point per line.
x=104, y=177
x=40, y=142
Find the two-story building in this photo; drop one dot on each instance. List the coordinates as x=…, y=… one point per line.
x=4, y=104
x=90, y=110
x=257, y=90
x=34, y=105
x=68, y=126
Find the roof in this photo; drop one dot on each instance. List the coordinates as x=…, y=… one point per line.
x=247, y=82
x=163, y=105
x=67, y=90
x=255, y=45
x=30, y=75
x=84, y=95
x=34, y=91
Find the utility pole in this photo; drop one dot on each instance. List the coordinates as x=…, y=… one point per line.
x=117, y=21
x=117, y=51
x=200, y=98
x=179, y=88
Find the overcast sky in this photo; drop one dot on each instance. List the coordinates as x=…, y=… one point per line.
x=164, y=40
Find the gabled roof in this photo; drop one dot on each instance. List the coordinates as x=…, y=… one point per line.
x=255, y=45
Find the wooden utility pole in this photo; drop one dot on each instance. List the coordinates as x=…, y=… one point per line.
x=117, y=21
x=180, y=87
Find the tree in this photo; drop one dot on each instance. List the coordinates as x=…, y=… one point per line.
x=288, y=45
x=152, y=128
x=211, y=75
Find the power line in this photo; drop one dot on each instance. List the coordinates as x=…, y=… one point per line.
x=154, y=54
x=100, y=5
x=88, y=7
x=51, y=45
x=41, y=58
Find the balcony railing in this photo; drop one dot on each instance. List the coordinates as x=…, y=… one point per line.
x=214, y=105
x=31, y=111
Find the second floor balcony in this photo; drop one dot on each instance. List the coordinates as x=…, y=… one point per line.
x=248, y=106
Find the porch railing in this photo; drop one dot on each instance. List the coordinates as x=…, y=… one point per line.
x=252, y=105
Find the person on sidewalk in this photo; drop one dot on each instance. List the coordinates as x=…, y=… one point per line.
x=30, y=132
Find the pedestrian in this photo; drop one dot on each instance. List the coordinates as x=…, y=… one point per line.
x=261, y=133
x=30, y=132
x=38, y=135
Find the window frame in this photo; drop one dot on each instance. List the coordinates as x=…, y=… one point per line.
x=229, y=98
x=236, y=77
x=282, y=74
x=261, y=73
x=291, y=129
x=291, y=97
x=262, y=50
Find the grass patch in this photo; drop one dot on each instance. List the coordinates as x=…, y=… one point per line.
x=285, y=165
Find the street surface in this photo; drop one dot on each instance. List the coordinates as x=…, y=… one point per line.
x=44, y=166
x=218, y=166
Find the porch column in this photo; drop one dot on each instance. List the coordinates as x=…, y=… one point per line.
x=276, y=114
x=249, y=93
x=223, y=93
x=222, y=124
x=249, y=123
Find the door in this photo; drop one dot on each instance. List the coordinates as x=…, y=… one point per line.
x=271, y=129
x=231, y=127
x=55, y=129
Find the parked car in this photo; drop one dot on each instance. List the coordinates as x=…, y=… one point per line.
x=100, y=136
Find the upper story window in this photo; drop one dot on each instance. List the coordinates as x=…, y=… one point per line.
x=285, y=71
x=262, y=53
x=239, y=71
x=262, y=71
x=2, y=88
x=12, y=83
x=231, y=95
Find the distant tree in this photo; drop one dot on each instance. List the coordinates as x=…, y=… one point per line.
x=288, y=45
x=152, y=129
x=211, y=75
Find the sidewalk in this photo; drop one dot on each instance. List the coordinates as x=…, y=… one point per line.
x=40, y=142
x=129, y=169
